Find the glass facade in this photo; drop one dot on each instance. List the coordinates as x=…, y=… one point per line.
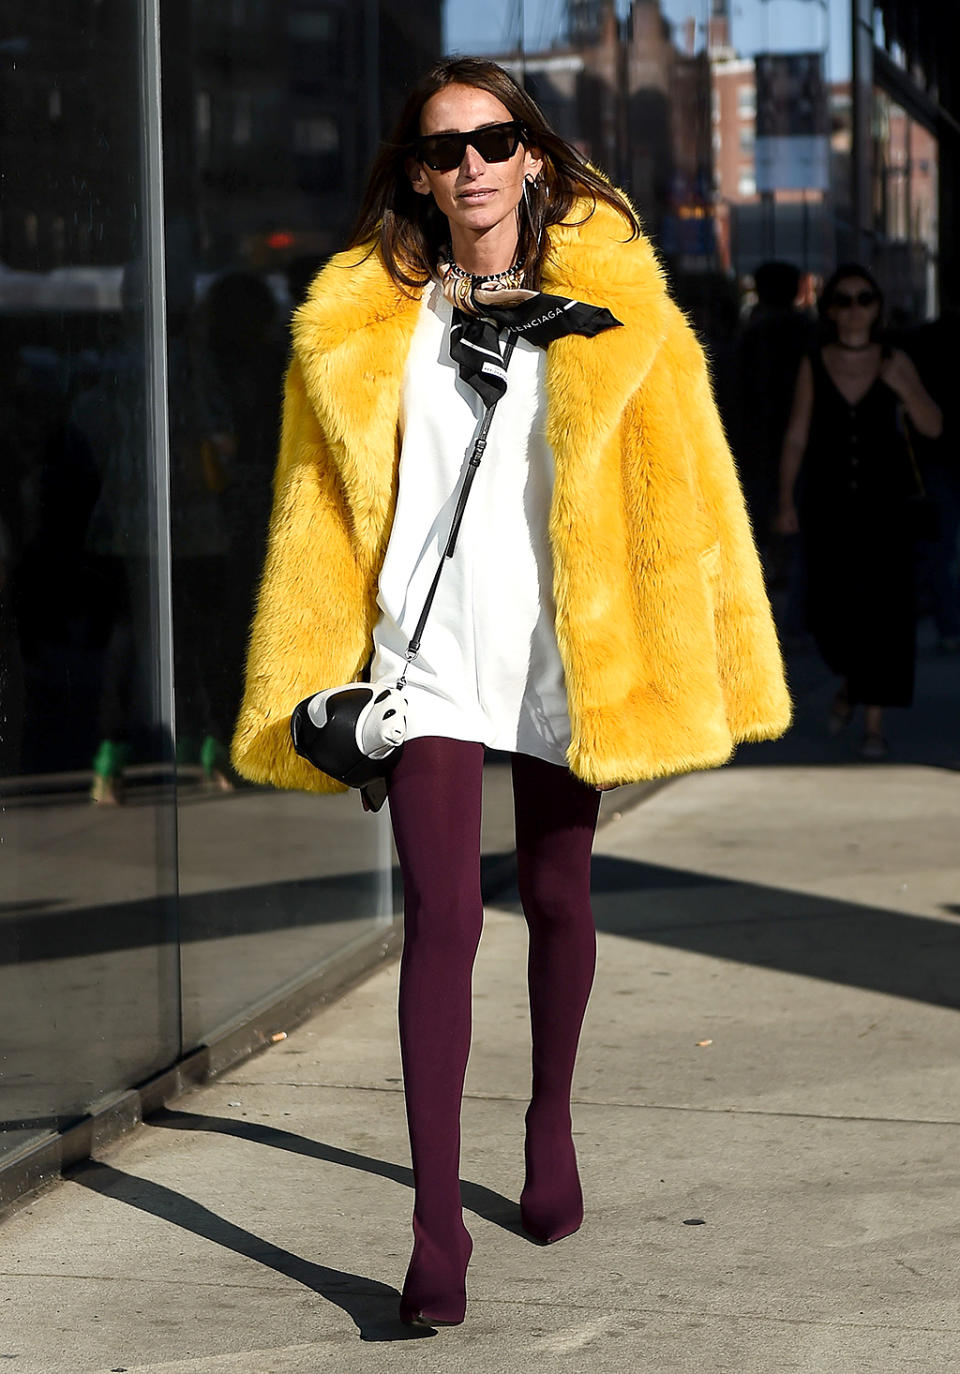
x=172, y=178
x=270, y=115
x=905, y=208
x=88, y=912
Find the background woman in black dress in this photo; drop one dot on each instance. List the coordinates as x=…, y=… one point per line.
x=846, y=483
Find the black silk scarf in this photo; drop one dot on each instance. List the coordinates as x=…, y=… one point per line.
x=485, y=306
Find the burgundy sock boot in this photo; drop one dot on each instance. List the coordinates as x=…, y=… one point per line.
x=556, y=817
x=435, y=808
x=551, y=1204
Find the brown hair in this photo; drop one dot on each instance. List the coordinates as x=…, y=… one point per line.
x=408, y=228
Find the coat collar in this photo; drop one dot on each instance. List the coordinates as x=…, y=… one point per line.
x=352, y=336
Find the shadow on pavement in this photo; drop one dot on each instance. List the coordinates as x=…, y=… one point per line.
x=35, y=930
x=770, y=927
x=482, y=1201
x=928, y=733
x=372, y=1306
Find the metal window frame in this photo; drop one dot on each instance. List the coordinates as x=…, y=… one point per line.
x=158, y=447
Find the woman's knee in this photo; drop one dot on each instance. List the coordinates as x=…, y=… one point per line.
x=554, y=898
x=446, y=926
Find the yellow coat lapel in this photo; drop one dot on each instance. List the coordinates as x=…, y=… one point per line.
x=352, y=337
x=589, y=381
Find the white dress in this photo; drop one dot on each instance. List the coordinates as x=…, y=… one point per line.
x=489, y=669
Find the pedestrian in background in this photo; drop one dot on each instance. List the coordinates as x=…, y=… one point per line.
x=603, y=618
x=848, y=483
x=772, y=344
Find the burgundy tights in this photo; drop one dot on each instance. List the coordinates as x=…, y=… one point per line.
x=435, y=799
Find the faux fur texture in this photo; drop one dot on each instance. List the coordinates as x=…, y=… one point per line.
x=663, y=623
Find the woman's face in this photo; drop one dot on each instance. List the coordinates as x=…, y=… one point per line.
x=854, y=305
x=477, y=196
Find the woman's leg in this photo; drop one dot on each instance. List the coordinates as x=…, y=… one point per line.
x=556, y=816
x=873, y=716
x=873, y=746
x=435, y=795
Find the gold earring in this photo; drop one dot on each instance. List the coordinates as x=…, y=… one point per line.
x=535, y=222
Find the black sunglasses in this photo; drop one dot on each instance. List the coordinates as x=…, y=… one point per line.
x=495, y=143
x=844, y=299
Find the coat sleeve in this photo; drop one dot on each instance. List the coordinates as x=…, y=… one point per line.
x=749, y=661
x=310, y=626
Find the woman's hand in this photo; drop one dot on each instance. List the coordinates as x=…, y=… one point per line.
x=786, y=521
x=898, y=373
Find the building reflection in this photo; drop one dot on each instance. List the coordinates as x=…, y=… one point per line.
x=660, y=95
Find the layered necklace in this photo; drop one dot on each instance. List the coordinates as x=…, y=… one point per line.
x=485, y=305
x=469, y=291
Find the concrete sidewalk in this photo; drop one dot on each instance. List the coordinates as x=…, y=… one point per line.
x=767, y=1117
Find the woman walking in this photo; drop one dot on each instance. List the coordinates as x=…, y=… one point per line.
x=602, y=617
x=848, y=444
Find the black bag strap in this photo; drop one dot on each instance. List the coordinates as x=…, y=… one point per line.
x=479, y=444
x=903, y=418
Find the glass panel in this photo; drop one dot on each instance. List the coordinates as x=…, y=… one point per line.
x=270, y=118
x=88, y=970
x=905, y=209
x=495, y=29
x=924, y=152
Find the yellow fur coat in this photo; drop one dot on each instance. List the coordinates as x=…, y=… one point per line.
x=662, y=621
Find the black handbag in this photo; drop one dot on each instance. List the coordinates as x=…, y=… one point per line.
x=355, y=733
